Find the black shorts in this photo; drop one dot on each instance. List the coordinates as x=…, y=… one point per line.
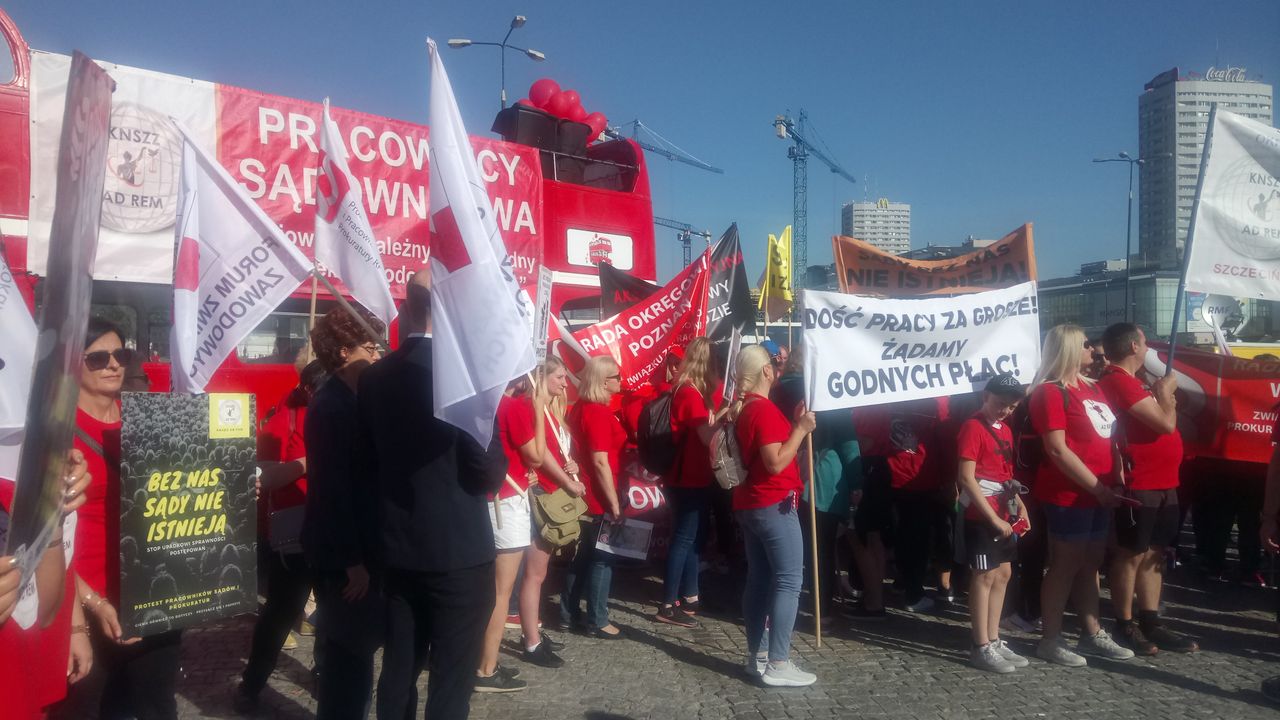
x=1154, y=525
x=984, y=548
x=875, y=510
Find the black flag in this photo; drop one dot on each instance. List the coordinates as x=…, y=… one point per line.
x=729, y=304
x=619, y=290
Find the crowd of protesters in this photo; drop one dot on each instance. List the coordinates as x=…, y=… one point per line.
x=414, y=539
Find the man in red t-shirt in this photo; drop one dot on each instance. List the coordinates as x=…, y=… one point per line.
x=1152, y=451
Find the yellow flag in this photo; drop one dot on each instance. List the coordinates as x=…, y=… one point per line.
x=775, y=290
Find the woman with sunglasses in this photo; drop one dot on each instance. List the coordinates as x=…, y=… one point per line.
x=129, y=675
x=598, y=438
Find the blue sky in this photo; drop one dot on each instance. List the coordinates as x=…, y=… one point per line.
x=983, y=115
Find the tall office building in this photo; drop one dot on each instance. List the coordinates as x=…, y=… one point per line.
x=887, y=225
x=1173, y=116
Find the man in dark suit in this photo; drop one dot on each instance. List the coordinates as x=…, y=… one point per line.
x=436, y=541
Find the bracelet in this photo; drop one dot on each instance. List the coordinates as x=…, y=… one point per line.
x=80, y=629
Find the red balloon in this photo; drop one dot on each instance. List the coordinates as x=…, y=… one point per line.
x=526, y=102
x=541, y=90
x=573, y=97
x=577, y=114
x=598, y=123
x=559, y=105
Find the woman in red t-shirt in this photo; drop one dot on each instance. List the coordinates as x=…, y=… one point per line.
x=765, y=505
x=598, y=438
x=1073, y=484
x=141, y=673
x=694, y=400
x=282, y=455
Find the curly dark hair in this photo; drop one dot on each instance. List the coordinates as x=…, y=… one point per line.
x=338, y=330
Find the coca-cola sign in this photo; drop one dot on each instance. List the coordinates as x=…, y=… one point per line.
x=1227, y=74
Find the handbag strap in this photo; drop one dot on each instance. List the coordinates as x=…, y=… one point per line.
x=93, y=445
x=516, y=486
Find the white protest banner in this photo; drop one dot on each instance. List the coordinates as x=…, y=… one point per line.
x=542, y=315
x=345, y=243
x=1235, y=243
x=867, y=351
x=233, y=267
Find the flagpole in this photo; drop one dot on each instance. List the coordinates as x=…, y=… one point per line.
x=311, y=315
x=1191, y=233
x=813, y=506
x=364, y=324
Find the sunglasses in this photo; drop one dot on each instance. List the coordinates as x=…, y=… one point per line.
x=613, y=377
x=100, y=359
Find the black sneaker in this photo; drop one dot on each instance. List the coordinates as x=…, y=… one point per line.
x=508, y=671
x=858, y=612
x=555, y=645
x=499, y=683
x=691, y=607
x=244, y=702
x=1168, y=640
x=1131, y=636
x=1271, y=689
x=675, y=616
x=542, y=656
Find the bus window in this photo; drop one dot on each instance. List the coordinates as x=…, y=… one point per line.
x=278, y=339
x=7, y=72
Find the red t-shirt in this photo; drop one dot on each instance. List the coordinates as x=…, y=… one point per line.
x=903, y=434
x=688, y=413
x=1154, y=456
x=992, y=455
x=34, y=660
x=554, y=450
x=595, y=429
x=762, y=423
x=515, y=428
x=1089, y=423
x=97, y=555
x=279, y=442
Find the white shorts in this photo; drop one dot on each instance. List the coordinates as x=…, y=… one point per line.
x=517, y=523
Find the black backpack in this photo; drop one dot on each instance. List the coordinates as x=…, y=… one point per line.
x=654, y=439
x=1029, y=447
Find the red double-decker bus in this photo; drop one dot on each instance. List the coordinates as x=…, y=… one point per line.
x=561, y=204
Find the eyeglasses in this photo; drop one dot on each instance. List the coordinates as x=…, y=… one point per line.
x=100, y=359
x=371, y=348
x=613, y=377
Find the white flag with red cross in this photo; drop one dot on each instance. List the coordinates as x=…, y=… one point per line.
x=344, y=242
x=233, y=267
x=481, y=319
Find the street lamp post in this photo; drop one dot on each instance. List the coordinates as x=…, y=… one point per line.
x=1124, y=157
x=503, y=47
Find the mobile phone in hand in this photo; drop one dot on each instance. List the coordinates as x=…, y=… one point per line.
x=1021, y=527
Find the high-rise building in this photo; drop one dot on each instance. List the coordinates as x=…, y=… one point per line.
x=1173, y=116
x=887, y=225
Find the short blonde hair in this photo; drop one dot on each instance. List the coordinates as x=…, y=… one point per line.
x=595, y=376
x=752, y=361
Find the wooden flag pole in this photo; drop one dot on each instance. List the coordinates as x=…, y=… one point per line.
x=311, y=316
x=813, y=542
x=364, y=324
x=1191, y=236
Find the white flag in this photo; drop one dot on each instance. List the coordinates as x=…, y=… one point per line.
x=1235, y=244
x=233, y=267
x=480, y=317
x=344, y=241
x=17, y=361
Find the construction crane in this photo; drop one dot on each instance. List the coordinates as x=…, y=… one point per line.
x=685, y=233
x=654, y=143
x=799, y=153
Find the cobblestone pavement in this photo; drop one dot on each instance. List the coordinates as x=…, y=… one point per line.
x=912, y=666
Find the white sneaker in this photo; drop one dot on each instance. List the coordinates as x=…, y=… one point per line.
x=986, y=657
x=1057, y=652
x=924, y=604
x=756, y=664
x=786, y=674
x=1006, y=652
x=1101, y=645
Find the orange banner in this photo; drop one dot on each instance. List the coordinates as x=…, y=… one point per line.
x=864, y=269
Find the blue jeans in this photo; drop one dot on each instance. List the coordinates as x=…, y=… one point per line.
x=589, y=577
x=775, y=564
x=689, y=517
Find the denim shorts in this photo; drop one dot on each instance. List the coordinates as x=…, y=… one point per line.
x=1077, y=524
